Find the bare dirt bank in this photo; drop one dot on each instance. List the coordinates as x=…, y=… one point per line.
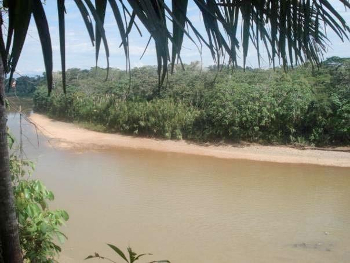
x=69, y=135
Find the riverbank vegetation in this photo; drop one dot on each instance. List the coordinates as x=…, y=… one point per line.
x=39, y=226
x=304, y=106
x=24, y=86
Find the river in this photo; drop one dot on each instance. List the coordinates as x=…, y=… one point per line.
x=188, y=208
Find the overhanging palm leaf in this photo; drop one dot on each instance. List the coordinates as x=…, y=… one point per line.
x=43, y=30
x=292, y=31
x=19, y=17
x=61, y=24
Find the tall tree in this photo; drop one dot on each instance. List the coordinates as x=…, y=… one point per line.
x=292, y=32
x=9, y=239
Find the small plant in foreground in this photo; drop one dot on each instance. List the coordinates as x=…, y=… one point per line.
x=133, y=256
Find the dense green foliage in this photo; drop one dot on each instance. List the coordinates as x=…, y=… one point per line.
x=25, y=86
x=39, y=227
x=305, y=105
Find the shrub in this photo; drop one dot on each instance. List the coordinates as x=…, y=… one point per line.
x=257, y=105
x=39, y=227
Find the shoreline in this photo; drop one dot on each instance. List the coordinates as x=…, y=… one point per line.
x=71, y=136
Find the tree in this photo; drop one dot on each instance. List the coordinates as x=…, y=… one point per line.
x=293, y=31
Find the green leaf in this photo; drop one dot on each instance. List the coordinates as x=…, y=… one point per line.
x=50, y=196
x=38, y=186
x=43, y=227
x=118, y=251
x=26, y=193
x=10, y=139
x=61, y=237
x=64, y=215
x=33, y=210
x=132, y=255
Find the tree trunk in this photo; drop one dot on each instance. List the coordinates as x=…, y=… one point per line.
x=9, y=238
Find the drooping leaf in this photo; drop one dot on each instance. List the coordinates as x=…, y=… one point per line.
x=87, y=19
x=64, y=215
x=246, y=31
x=61, y=237
x=45, y=39
x=152, y=15
x=101, y=12
x=3, y=52
x=99, y=27
x=179, y=10
x=20, y=17
x=11, y=5
x=61, y=25
x=121, y=27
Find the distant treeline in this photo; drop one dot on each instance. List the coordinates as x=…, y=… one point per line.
x=25, y=86
x=304, y=106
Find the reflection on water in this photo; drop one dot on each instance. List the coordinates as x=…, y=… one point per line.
x=17, y=103
x=195, y=209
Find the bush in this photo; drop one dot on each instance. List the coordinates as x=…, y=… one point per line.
x=302, y=106
x=39, y=227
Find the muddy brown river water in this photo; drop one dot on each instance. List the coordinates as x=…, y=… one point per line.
x=188, y=208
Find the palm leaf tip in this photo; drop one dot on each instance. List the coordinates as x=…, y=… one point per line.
x=61, y=23
x=45, y=39
x=100, y=29
x=101, y=6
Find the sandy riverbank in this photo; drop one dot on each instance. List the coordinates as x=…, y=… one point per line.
x=68, y=135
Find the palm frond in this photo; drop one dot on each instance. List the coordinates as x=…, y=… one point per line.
x=45, y=39
x=61, y=25
x=87, y=19
x=121, y=27
x=179, y=14
x=101, y=6
x=290, y=31
x=20, y=17
x=100, y=29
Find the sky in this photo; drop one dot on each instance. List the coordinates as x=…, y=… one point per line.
x=81, y=54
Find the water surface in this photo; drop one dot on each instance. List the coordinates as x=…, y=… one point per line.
x=189, y=208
